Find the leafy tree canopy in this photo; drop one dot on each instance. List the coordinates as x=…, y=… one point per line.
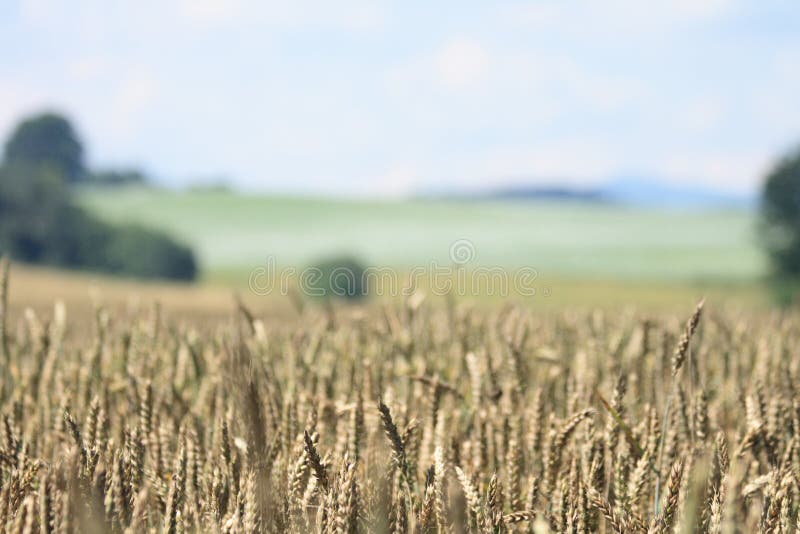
x=40, y=223
x=48, y=140
x=780, y=216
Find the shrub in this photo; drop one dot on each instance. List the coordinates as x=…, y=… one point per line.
x=144, y=253
x=338, y=276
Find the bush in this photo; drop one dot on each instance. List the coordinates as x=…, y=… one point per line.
x=144, y=253
x=339, y=276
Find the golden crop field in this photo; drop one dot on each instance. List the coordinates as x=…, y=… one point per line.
x=402, y=416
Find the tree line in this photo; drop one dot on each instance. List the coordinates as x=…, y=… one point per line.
x=40, y=222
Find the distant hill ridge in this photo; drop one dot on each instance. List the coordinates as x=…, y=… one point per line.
x=628, y=190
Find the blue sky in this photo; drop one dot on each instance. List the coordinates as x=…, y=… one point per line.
x=387, y=98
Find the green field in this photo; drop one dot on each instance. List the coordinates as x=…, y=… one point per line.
x=233, y=233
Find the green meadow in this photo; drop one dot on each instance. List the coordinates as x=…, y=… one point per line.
x=233, y=233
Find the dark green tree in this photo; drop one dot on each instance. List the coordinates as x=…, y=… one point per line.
x=780, y=216
x=32, y=201
x=47, y=140
x=39, y=223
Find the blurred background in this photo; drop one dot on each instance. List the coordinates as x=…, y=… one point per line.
x=629, y=152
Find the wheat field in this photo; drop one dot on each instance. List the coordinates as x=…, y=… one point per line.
x=420, y=416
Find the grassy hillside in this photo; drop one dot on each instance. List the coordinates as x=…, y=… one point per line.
x=234, y=233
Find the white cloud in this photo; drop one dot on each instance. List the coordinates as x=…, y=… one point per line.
x=100, y=19
x=581, y=83
x=566, y=91
x=88, y=67
x=461, y=63
x=570, y=161
x=18, y=100
x=768, y=103
x=34, y=11
x=585, y=162
x=209, y=12
x=397, y=181
x=354, y=15
x=545, y=85
x=734, y=171
x=701, y=114
x=134, y=95
x=455, y=65
x=695, y=9
x=614, y=16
